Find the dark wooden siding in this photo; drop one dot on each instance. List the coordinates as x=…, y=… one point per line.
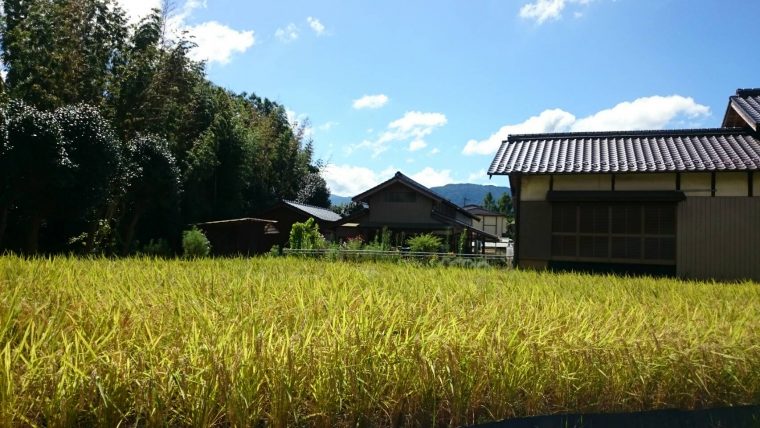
x=719, y=238
x=535, y=230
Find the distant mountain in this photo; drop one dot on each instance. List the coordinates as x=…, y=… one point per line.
x=465, y=193
x=460, y=194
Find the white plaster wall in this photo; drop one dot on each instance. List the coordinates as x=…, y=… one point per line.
x=534, y=187
x=601, y=182
x=731, y=184
x=696, y=183
x=663, y=181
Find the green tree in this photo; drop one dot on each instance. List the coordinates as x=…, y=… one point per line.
x=60, y=52
x=489, y=203
x=306, y=236
x=39, y=169
x=96, y=157
x=152, y=182
x=505, y=206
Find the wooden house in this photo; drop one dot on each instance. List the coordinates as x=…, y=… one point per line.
x=408, y=208
x=285, y=213
x=242, y=236
x=675, y=202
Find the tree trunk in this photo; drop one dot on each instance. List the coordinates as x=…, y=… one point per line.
x=3, y=223
x=33, y=236
x=130, y=232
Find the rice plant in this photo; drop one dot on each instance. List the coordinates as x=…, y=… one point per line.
x=283, y=342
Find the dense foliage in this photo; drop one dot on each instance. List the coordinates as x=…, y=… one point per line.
x=195, y=244
x=426, y=243
x=112, y=137
x=287, y=342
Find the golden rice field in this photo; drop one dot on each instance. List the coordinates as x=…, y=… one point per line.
x=283, y=342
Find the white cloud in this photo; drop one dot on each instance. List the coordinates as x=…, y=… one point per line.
x=349, y=180
x=216, y=42
x=643, y=113
x=327, y=126
x=138, y=9
x=414, y=126
x=300, y=121
x=315, y=25
x=555, y=120
x=479, y=176
x=435, y=151
x=370, y=101
x=654, y=112
x=545, y=10
x=417, y=145
x=287, y=34
x=429, y=177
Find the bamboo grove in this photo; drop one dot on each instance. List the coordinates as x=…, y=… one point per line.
x=112, y=139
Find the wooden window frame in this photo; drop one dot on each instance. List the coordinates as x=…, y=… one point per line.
x=609, y=235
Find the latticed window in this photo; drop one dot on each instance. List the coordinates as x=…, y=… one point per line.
x=618, y=233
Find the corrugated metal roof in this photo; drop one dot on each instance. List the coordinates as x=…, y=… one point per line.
x=631, y=151
x=746, y=102
x=316, y=212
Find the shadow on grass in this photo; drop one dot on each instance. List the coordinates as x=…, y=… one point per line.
x=725, y=417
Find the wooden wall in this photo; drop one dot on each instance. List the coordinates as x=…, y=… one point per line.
x=719, y=238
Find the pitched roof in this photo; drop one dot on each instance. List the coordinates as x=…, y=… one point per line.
x=744, y=107
x=478, y=210
x=237, y=221
x=317, y=212
x=403, y=179
x=719, y=149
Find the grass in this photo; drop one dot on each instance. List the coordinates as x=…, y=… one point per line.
x=285, y=342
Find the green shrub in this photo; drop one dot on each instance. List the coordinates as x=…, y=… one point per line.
x=427, y=243
x=306, y=236
x=157, y=248
x=195, y=244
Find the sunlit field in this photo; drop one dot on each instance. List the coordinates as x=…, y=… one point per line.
x=282, y=342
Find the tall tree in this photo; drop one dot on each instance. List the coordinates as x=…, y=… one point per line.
x=60, y=52
x=39, y=167
x=489, y=203
x=153, y=182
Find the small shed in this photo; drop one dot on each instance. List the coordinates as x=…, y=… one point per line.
x=288, y=212
x=241, y=236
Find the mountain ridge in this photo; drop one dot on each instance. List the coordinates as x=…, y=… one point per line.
x=459, y=193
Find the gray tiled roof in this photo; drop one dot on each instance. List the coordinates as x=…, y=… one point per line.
x=318, y=213
x=747, y=104
x=629, y=151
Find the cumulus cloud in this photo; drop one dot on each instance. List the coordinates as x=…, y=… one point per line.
x=370, y=101
x=545, y=10
x=555, y=120
x=654, y=112
x=316, y=26
x=216, y=42
x=288, y=34
x=417, y=145
x=430, y=177
x=414, y=126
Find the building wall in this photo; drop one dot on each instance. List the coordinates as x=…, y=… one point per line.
x=493, y=224
x=644, y=181
x=383, y=211
x=696, y=184
x=534, y=187
x=756, y=184
x=731, y=184
x=602, y=182
x=535, y=233
x=718, y=238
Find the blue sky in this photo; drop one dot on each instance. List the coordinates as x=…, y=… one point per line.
x=430, y=88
